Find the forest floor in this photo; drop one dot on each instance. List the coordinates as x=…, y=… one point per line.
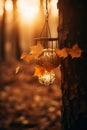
x=25, y=104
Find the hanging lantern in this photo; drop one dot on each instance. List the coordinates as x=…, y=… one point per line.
x=48, y=59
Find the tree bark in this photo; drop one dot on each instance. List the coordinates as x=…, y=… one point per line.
x=2, y=34
x=73, y=29
x=15, y=33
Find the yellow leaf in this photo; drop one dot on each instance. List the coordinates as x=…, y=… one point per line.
x=39, y=71
x=36, y=50
x=17, y=69
x=62, y=52
x=75, y=52
x=26, y=57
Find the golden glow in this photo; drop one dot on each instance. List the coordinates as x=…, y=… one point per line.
x=1, y=8
x=28, y=9
x=8, y=5
x=52, y=6
x=48, y=78
x=54, y=9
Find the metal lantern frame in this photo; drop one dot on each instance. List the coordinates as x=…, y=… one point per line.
x=49, y=44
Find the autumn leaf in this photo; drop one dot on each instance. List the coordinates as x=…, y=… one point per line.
x=26, y=57
x=39, y=71
x=62, y=52
x=75, y=52
x=36, y=50
x=17, y=69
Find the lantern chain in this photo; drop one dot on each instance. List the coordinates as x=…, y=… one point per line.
x=46, y=25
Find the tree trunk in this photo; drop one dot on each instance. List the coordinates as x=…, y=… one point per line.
x=2, y=35
x=73, y=29
x=15, y=33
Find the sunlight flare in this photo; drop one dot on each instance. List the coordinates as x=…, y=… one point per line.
x=53, y=5
x=1, y=8
x=8, y=6
x=28, y=10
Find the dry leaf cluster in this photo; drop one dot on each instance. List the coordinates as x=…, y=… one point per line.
x=37, y=50
x=75, y=52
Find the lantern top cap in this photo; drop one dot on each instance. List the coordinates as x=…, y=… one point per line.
x=46, y=39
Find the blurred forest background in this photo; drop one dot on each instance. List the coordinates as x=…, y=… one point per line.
x=24, y=102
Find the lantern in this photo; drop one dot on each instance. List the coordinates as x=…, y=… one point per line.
x=48, y=59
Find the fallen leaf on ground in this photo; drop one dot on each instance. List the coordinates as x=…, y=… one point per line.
x=17, y=69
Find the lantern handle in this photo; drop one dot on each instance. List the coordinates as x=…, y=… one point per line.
x=47, y=9
x=46, y=24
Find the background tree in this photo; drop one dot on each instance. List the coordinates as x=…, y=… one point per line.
x=2, y=34
x=15, y=32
